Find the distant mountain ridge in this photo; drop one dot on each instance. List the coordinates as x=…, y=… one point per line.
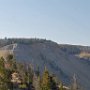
x=62, y=60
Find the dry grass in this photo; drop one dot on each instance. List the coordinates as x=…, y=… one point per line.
x=84, y=55
x=5, y=53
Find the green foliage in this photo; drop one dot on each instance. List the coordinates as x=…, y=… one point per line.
x=9, y=57
x=45, y=84
x=53, y=83
x=28, y=77
x=2, y=62
x=23, y=86
x=4, y=76
x=61, y=86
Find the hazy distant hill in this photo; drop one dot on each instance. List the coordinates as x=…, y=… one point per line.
x=62, y=60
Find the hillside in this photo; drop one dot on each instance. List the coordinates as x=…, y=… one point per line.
x=61, y=60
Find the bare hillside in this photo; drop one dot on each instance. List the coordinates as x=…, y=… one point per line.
x=61, y=60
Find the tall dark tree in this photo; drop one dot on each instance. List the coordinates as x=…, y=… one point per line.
x=4, y=76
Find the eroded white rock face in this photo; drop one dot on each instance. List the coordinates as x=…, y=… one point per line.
x=57, y=61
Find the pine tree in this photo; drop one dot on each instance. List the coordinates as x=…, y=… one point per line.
x=4, y=76
x=53, y=83
x=45, y=83
x=36, y=82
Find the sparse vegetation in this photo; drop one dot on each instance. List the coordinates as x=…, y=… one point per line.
x=21, y=76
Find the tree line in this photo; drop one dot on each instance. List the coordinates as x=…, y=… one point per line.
x=20, y=76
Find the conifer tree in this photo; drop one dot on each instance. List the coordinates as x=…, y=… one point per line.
x=53, y=83
x=45, y=83
x=4, y=76
x=36, y=82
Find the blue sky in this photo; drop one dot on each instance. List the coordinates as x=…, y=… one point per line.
x=63, y=21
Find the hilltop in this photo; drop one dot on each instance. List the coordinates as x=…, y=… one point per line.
x=62, y=60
